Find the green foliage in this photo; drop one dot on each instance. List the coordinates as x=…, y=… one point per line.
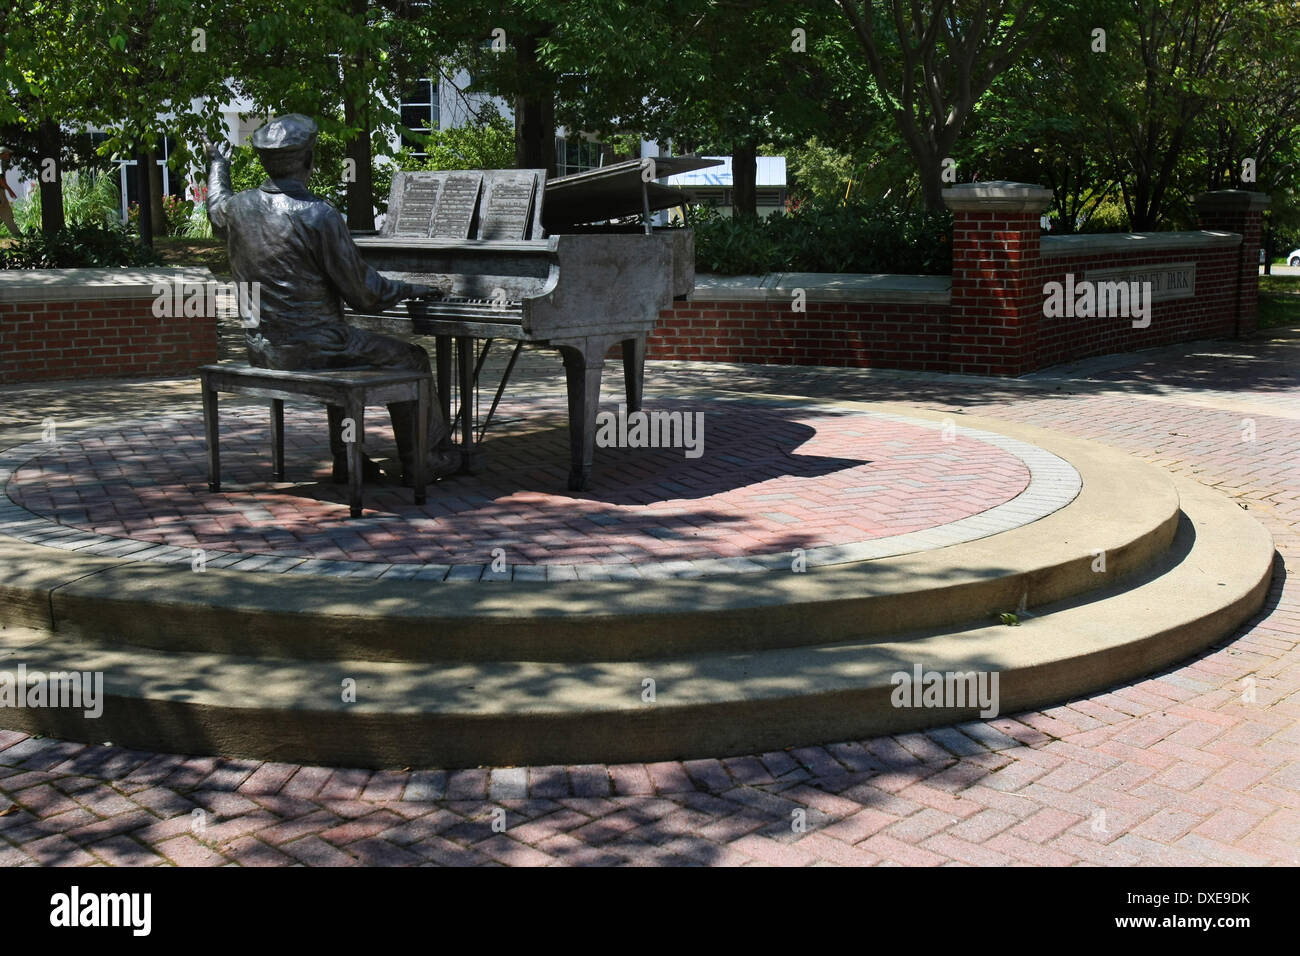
x=84, y=246
x=198, y=226
x=486, y=143
x=326, y=180
x=822, y=173
x=88, y=200
x=877, y=237
x=1106, y=216
x=176, y=214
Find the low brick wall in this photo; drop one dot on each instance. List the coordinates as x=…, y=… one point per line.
x=1210, y=313
x=60, y=324
x=879, y=321
x=989, y=317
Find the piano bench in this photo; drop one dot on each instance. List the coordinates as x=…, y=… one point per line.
x=351, y=390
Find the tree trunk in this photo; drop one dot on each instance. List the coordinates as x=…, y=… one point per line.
x=932, y=184
x=360, y=189
x=51, y=141
x=145, y=192
x=744, y=179
x=534, y=115
x=159, y=212
x=535, y=134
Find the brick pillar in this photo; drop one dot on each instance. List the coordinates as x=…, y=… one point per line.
x=1242, y=212
x=997, y=299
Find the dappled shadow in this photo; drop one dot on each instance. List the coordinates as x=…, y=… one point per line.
x=768, y=478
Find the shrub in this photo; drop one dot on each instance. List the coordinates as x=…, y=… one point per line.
x=326, y=180
x=486, y=143
x=176, y=215
x=198, y=226
x=85, y=246
x=88, y=199
x=863, y=237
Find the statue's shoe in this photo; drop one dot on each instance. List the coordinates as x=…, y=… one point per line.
x=369, y=470
x=441, y=463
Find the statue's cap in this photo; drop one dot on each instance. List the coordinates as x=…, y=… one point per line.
x=294, y=131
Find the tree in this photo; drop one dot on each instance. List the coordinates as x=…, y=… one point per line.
x=933, y=62
x=44, y=48
x=731, y=73
x=1038, y=121
x=1160, y=87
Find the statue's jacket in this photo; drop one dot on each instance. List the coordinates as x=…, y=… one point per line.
x=297, y=248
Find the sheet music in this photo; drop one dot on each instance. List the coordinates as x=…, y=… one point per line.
x=456, y=205
x=508, y=205
x=415, y=209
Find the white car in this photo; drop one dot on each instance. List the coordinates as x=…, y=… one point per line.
x=1293, y=257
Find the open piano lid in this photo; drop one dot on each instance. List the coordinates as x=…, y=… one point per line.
x=613, y=192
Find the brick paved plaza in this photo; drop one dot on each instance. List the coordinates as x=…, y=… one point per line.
x=773, y=479
x=1197, y=765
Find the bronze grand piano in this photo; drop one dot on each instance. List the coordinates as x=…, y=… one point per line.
x=517, y=258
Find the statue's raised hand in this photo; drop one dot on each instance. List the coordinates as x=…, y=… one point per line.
x=216, y=152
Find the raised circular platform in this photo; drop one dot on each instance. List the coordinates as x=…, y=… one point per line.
x=1112, y=568
x=767, y=478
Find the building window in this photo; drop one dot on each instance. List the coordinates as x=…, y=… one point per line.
x=575, y=156
x=173, y=183
x=420, y=112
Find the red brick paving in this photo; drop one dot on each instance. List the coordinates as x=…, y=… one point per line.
x=1178, y=768
x=810, y=479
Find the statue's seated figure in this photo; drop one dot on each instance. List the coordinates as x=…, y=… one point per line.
x=297, y=247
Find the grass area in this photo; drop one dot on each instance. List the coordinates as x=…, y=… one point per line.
x=1277, y=283
x=201, y=253
x=1279, y=310
x=1279, y=302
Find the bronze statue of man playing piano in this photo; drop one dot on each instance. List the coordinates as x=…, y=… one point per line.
x=298, y=248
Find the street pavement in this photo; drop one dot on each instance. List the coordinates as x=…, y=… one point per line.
x=1197, y=765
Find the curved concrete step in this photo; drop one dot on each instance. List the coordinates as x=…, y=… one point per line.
x=1127, y=509
x=509, y=713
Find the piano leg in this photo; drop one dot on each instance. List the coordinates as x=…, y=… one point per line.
x=465, y=362
x=634, y=370
x=584, y=361
x=442, y=358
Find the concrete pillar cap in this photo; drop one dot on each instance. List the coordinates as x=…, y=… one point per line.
x=1232, y=200
x=997, y=196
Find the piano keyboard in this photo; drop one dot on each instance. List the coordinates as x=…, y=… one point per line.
x=464, y=307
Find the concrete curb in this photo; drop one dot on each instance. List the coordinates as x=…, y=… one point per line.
x=1126, y=509
x=705, y=704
